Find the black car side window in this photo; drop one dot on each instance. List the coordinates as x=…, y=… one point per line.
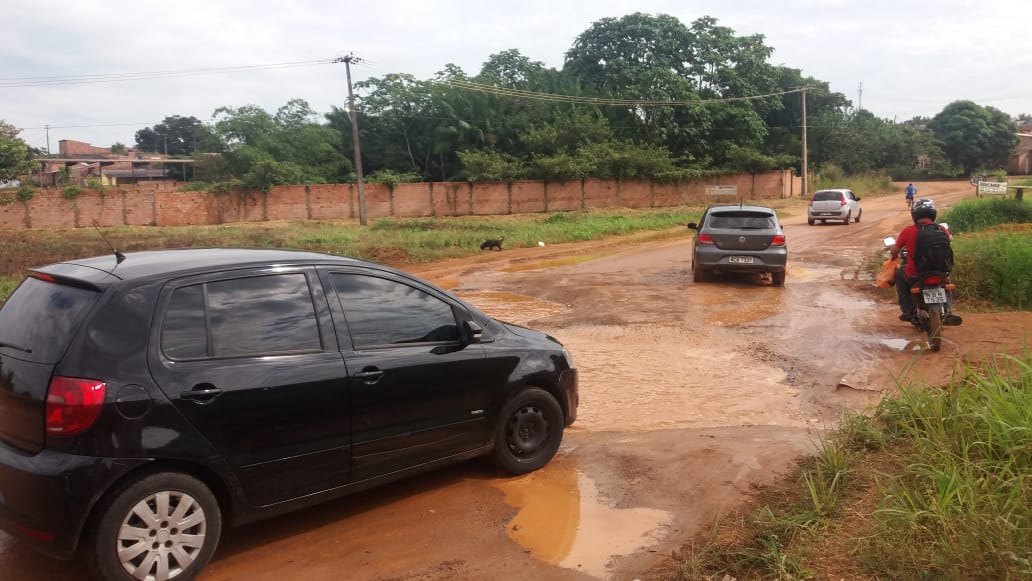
x=246, y=317
x=385, y=312
x=183, y=333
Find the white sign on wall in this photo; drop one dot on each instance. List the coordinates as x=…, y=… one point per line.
x=722, y=190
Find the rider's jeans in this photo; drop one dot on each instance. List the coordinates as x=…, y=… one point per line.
x=903, y=284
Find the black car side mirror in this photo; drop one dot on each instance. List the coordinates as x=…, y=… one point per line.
x=693, y=225
x=472, y=332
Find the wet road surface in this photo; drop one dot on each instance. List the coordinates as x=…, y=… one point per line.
x=690, y=393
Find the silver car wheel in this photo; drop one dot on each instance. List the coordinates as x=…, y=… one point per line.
x=161, y=536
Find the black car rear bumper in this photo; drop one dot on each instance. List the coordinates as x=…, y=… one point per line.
x=46, y=497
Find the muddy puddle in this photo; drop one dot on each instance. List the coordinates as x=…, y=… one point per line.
x=563, y=520
x=519, y=309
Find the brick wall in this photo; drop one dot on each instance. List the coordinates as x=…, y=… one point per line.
x=158, y=203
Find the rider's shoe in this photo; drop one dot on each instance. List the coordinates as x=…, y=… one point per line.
x=952, y=320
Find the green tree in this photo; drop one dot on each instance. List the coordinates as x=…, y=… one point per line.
x=974, y=136
x=176, y=135
x=15, y=155
x=118, y=147
x=262, y=149
x=645, y=57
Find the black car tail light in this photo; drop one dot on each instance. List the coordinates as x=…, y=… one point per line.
x=73, y=404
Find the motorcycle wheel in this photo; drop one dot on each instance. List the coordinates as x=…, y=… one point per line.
x=934, y=330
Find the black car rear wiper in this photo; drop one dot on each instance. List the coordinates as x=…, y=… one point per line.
x=13, y=346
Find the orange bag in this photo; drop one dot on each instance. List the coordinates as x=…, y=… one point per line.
x=887, y=276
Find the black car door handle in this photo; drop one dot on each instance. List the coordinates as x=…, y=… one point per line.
x=201, y=395
x=369, y=375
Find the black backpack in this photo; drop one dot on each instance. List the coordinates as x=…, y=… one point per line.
x=932, y=250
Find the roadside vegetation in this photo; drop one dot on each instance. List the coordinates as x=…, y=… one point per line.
x=863, y=184
x=936, y=484
x=992, y=251
x=395, y=242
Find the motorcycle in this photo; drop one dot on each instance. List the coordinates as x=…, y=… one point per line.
x=932, y=293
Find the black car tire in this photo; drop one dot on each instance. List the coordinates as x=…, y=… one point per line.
x=165, y=494
x=810, y=221
x=698, y=274
x=777, y=278
x=529, y=431
x=849, y=217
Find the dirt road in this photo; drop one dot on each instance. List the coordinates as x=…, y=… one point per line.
x=690, y=394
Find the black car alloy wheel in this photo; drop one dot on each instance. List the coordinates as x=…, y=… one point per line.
x=160, y=527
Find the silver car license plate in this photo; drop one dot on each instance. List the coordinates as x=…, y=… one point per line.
x=740, y=259
x=934, y=295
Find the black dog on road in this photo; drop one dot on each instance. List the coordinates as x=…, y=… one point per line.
x=488, y=244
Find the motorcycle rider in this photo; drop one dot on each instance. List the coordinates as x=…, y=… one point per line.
x=923, y=212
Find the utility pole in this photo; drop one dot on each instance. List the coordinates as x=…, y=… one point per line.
x=860, y=97
x=347, y=60
x=806, y=177
x=47, y=127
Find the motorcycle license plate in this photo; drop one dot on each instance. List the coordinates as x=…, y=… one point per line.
x=934, y=295
x=740, y=260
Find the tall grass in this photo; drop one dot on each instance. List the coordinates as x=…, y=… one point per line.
x=867, y=184
x=962, y=508
x=995, y=266
x=974, y=214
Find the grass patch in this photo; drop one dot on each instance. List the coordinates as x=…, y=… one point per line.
x=937, y=484
x=869, y=184
x=995, y=266
x=974, y=214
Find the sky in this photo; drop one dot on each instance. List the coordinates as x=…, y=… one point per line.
x=908, y=57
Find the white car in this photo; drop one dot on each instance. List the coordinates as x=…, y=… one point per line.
x=838, y=204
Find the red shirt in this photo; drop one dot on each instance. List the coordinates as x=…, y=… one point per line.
x=908, y=239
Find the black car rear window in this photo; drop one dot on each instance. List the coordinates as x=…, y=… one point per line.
x=827, y=196
x=742, y=221
x=42, y=317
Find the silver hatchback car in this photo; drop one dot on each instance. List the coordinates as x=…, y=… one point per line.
x=739, y=239
x=838, y=204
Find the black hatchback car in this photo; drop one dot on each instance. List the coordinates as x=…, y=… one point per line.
x=147, y=398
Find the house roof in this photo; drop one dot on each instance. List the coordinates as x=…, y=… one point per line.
x=138, y=173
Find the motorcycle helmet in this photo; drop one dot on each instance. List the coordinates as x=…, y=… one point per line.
x=923, y=208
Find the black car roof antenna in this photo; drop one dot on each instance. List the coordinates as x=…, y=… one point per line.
x=119, y=257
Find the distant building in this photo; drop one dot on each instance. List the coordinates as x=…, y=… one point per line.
x=1020, y=162
x=84, y=161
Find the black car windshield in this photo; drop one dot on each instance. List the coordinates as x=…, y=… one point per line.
x=742, y=221
x=38, y=320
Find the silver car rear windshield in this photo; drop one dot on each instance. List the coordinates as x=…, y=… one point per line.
x=827, y=196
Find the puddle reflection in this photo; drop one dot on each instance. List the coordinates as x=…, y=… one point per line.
x=905, y=345
x=562, y=521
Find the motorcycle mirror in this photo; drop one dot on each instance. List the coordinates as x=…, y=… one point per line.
x=890, y=241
